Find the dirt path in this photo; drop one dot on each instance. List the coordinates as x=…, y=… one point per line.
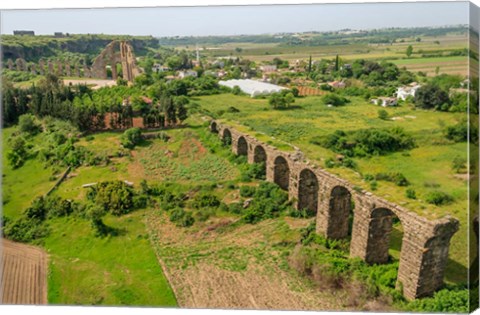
x=97, y=83
x=23, y=274
x=233, y=269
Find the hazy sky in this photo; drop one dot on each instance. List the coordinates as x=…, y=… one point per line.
x=230, y=20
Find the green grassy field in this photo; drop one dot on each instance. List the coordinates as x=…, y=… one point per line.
x=427, y=167
x=119, y=270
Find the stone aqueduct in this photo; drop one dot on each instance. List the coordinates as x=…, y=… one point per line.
x=117, y=52
x=425, y=243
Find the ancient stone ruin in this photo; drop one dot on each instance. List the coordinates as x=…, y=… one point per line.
x=117, y=52
x=425, y=243
x=116, y=55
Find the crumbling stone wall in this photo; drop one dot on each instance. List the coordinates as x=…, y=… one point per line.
x=425, y=244
x=116, y=52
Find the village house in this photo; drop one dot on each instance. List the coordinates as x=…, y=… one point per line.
x=405, y=91
x=159, y=68
x=337, y=84
x=384, y=101
x=268, y=68
x=187, y=73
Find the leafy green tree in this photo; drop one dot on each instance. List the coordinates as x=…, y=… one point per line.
x=281, y=100
x=180, y=104
x=409, y=51
x=18, y=153
x=27, y=124
x=114, y=196
x=431, y=96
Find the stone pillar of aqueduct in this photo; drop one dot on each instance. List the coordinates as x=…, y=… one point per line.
x=425, y=243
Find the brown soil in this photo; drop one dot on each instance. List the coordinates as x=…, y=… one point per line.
x=24, y=274
x=200, y=264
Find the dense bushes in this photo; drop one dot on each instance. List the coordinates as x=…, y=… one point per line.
x=460, y=133
x=334, y=99
x=431, y=96
x=398, y=178
x=327, y=263
x=31, y=227
x=268, y=201
x=451, y=300
x=115, y=196
x=131, y=137
x=438, y=198
x=367, y=142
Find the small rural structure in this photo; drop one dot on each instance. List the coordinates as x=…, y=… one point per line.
x=425, y=244
x=337, y=84
x=385, y=101
x=187, y=73
x=405, y=91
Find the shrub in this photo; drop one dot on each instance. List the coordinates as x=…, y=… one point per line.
x=451, y=300
x=205, y=200
x=232, y=109
x=247, y=191
x=460, y=133
x=410, y=193
x=131, y=137
x=382, y=114
x=171, y=200
x=253, y=171
x=459, y=164
x=268, y=201
x=398, y=178
x=181, y=217
x=439, y=198
x=236, y=90
x=334, y=99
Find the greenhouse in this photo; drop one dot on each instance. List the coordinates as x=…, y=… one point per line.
x=252, y=87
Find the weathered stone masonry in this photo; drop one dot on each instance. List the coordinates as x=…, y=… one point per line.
x=425, y=243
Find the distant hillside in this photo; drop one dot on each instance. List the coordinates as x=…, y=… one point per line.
x=386, y=35
x=32, y=48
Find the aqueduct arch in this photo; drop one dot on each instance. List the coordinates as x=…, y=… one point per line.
x=281, y=172
x=227, y=137
x=339, y=209
x=260, y=156
x=117, y=52
x=425, y=243
x=380, y=229
x=308, y=191
x=242, y=146
x=213, y=127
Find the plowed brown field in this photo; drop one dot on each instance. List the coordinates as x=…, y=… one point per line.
x=210, y=267
x=23, y=274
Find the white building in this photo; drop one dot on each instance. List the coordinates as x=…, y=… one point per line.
x=252, y=87
x=187, y=73
x=405, y=91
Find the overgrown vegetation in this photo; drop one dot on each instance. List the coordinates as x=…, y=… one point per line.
x=367, y=142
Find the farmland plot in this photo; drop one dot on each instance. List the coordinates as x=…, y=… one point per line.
x=23, y=274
